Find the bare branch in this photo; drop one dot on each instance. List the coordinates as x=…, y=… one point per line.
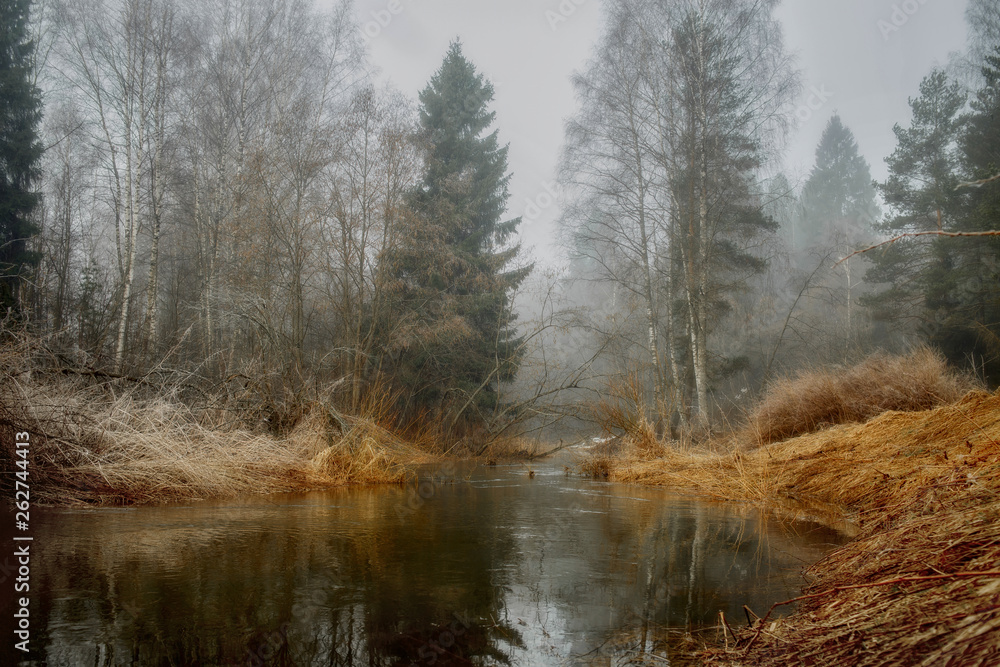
x=935, y=232
x=978, y=184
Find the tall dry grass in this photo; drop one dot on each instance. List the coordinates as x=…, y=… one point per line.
x=96, y=439
x=622, y=415
x=904, y=454
x=819, y=398
x=921, y=583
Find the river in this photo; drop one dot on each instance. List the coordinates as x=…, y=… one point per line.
x=472, y=565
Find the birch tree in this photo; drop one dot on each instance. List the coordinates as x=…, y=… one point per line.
x=116, y=54
x=695, y=108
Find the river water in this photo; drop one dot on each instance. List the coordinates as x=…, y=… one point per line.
x=469, y=566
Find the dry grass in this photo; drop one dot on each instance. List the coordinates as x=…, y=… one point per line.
x=105, y=443
x=816, y=399
x=920, y=585
x=366, y=453
x=621, y=413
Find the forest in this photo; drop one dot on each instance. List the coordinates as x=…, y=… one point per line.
x=226, y=192
x=233, y=260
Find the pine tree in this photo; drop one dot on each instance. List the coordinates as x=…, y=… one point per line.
x=838, y=199
x=920, y=192
x=20, y=149
x=456, y=267
x=949, y=285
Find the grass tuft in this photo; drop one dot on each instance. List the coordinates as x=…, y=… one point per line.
x=817, y=399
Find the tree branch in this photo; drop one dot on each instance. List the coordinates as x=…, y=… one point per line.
x=992, y=232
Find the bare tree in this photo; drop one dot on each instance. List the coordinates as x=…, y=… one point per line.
x=377, y=165
x=116, y=55
x=682, y=108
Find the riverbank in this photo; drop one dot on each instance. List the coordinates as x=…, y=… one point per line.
x=100, y=438
x=919, y=584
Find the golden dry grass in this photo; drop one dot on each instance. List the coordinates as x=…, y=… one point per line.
x=99, y=443
x=920, y=584
x=819, y=398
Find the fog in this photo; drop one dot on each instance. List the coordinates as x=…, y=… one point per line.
x=840, y=46
x=486, y=215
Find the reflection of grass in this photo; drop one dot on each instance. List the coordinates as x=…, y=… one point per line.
x=650, y=644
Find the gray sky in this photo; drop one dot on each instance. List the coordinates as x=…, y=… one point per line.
x=529, y=49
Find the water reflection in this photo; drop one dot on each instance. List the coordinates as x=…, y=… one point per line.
x=495, y=568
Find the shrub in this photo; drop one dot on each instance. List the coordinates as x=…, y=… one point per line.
x=814, y=399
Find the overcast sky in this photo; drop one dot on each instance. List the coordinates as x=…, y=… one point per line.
x=530, y=48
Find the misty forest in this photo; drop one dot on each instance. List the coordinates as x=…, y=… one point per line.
x=284, y=312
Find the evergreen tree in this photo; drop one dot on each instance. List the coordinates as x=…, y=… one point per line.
x=20, y=149
x=949, y=285
x=920, y=192
x=456, y=264
x=838, y=199
x=965, y=287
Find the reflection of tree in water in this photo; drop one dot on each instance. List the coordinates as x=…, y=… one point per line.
x=280, y=590
x=450, y=644
x=533, y=572
x=680, y=570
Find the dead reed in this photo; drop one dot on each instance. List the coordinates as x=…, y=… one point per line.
x=109, y=442
x=920, y=584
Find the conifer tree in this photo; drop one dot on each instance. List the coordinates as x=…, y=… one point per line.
x=948, y=285
x=457, y=268
x=838, y=199
x=964, y=287
x=920, y=193
x=20, y=149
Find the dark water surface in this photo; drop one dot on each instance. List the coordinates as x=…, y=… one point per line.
x=488, y=567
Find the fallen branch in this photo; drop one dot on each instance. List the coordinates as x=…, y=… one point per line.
x=553, y=451
x=978, y=184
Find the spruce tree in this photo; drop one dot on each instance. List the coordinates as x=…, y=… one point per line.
x=837, y=213
x=456, y=267
x=20, y=149
x=920, y=193
x=838, y=199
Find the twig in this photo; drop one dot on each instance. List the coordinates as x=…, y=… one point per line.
x=553, y=451
x=978, y=184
